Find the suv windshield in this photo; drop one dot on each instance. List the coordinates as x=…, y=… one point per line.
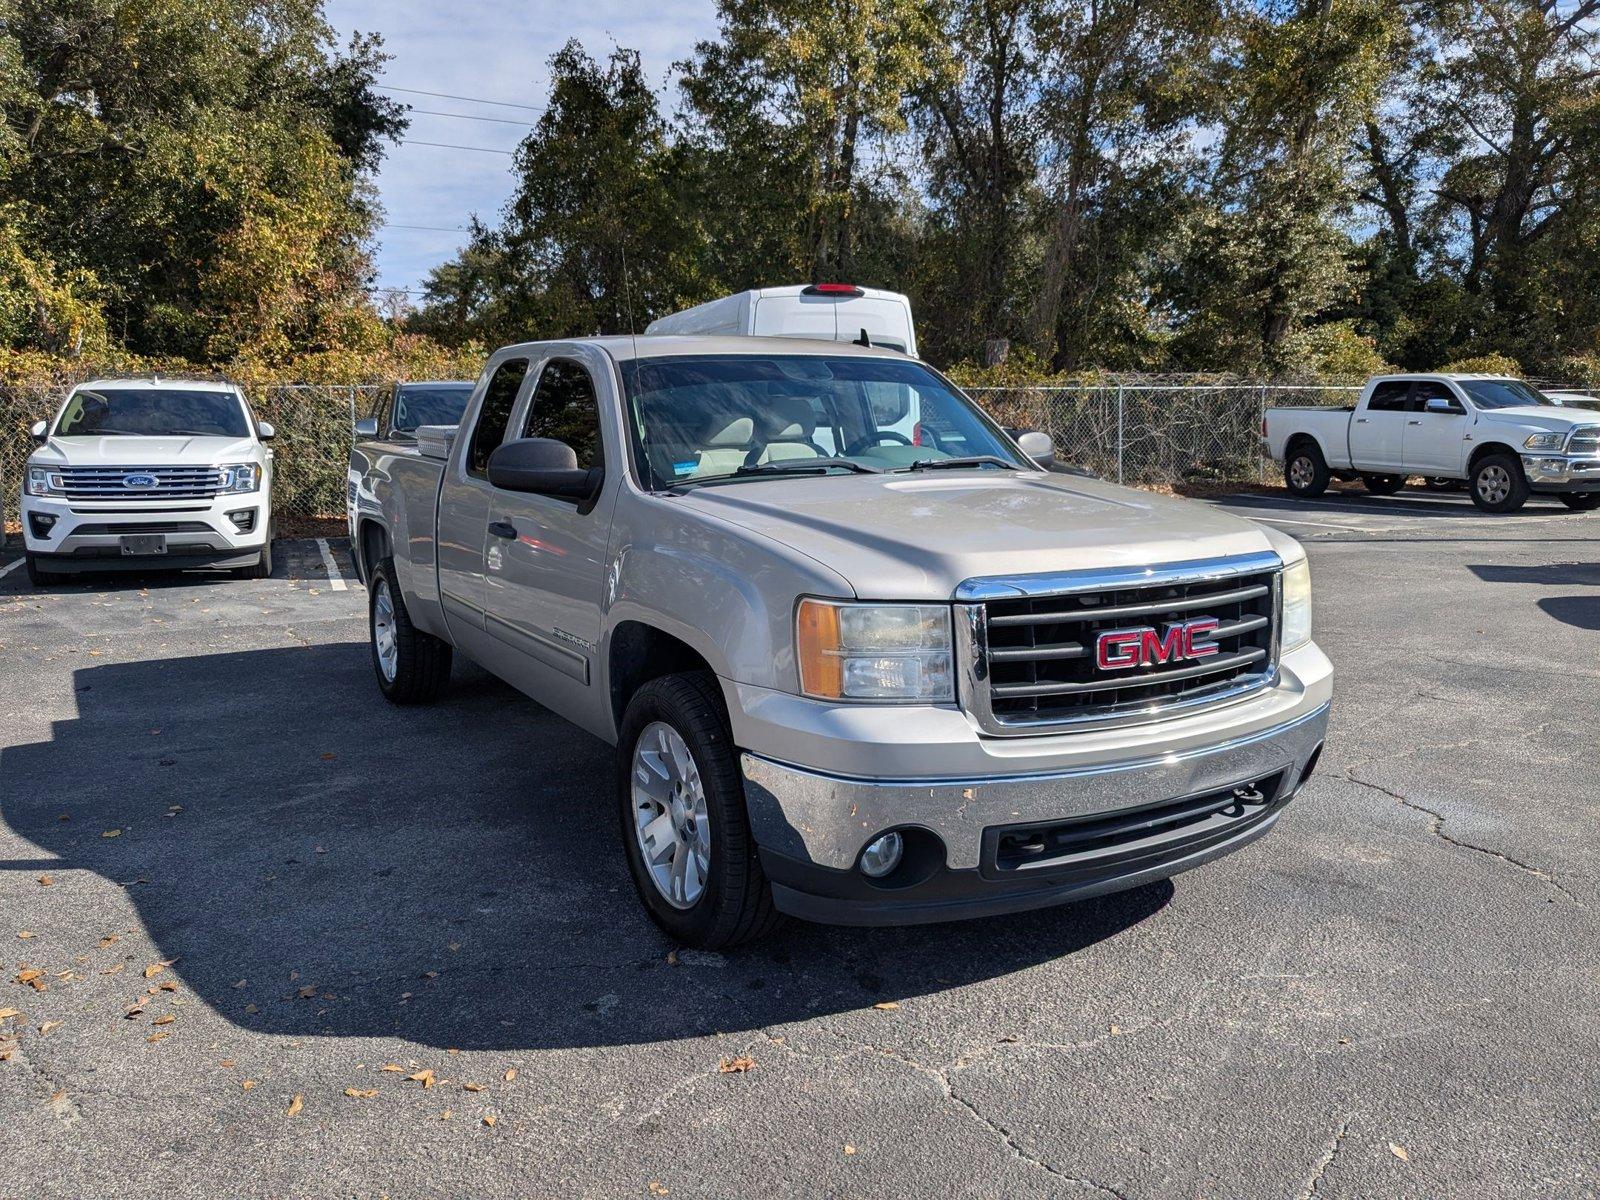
x=153, y=412
x=1503, y=393
x=739, y=417
x=417, y=404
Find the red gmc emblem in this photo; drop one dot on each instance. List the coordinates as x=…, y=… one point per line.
x=1124, y=649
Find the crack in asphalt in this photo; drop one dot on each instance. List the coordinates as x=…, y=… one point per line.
x=1329, y=1153
x=1436, y=827
x=62, y=1106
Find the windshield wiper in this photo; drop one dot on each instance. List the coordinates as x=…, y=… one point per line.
x=950, y=464
x=798, y=466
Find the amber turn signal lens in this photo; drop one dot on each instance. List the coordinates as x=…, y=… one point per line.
x=817, y=646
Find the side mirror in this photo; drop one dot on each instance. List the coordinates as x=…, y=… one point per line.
x=367, y=427
x=37, y=430
x=1440, y=404
x=265, y=431
x=1038, y=447
x=542, y=467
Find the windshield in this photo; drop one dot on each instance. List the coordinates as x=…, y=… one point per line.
x=1502, y=393
x=417, y=404
x=153, y=412
x=694, y=420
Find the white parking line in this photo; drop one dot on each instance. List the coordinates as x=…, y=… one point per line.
x=10, y=567
x=1273, y=519
x=335, y=580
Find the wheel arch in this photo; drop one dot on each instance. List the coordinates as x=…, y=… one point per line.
x=1301, y=440
x=638, y=652
x=1479, y=453
x=372, y=546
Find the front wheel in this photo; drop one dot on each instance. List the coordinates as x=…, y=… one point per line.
x=1498, y=484
x=262, y=568
x=412, y=667
x=38, y=577
x=1581, y=501
x=1305, y=471
x=681, y=805
x=1383, y=485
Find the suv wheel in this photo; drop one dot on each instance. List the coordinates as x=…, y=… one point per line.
x=681, y=804
x=412, y=667
x=1498, y=484
x=263, y=565
x=1305, y=471
x=37, y=576
x=1581, y=501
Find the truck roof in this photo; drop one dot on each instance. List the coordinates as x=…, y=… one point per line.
x=1456, y=376
x=625, y=347
x=163, y=381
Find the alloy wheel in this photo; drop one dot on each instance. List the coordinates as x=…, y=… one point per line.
x=670, y=817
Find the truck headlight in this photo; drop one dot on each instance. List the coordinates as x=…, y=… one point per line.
x=1545, y=441
x=42, y=481
x=875, y=651
x=241, y=477
x=1296, y=605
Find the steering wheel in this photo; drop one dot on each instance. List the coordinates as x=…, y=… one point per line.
x=877, y=438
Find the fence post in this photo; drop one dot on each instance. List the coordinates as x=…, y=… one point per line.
x=350, y=426
x=1261, y=445
x=1119, y=433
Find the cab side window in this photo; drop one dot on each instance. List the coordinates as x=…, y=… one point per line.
x=1389, y=396
x=565, y=408
x=1428, y=389
x=498, y=400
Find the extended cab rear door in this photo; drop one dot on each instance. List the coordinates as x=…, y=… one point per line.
x=1377, y=428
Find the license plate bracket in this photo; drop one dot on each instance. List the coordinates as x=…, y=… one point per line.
x=143, y=543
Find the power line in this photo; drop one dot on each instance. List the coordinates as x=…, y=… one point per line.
x=453, y=146
x=430, y=228
x=428, y=112
x=384, y=87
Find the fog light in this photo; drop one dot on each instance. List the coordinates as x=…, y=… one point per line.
x=882, y=855
x=42, y=524
x=244, y=520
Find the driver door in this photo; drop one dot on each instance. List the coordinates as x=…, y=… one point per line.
x=1434, y=441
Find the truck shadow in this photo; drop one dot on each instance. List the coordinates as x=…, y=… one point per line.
x=448, y=875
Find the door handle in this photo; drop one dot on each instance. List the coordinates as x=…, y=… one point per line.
x=1413, y=422
x=1361, y=420
x=503, y=529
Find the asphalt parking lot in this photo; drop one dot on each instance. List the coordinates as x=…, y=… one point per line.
x=295, y=942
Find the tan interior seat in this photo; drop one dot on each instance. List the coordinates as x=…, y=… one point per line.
x=788, y=430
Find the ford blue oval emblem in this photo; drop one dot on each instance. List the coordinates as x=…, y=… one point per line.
x=142, y=482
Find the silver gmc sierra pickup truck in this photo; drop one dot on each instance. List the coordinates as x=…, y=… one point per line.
x=865, y=661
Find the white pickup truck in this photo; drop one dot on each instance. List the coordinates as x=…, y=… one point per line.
x=140, y=473
x=1504, y=437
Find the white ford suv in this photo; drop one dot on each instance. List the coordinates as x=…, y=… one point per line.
x=148, y=473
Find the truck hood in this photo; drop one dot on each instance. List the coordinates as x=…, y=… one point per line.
x=125, y=451
x=1541, y=416
x=916, y=537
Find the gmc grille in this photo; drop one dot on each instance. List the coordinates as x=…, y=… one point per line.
x=172, y=483
x=1034, y=664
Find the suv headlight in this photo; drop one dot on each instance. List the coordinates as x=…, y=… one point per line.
x=1545, y=441
x=241, y=477
x=875, y=651
x=42, y=481
x=1296, y=605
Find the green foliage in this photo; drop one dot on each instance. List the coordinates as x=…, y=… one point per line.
x=1484, y=364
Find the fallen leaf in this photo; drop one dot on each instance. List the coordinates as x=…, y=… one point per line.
x=241, y=983
x=133, y=1012
x=158, y=1035
x=657, y=1188
x=430, y=974
x=361, y=1095
x=248, y=1084
x=445, y=1115
x=25, y=934
x=7, y=1013
x=327, y=756
x=295, y=1106
x=110, y=939
x=306, y=993
x=453, y=947
x=489, y=1119
x=391, y=1067
x=472, y=1087
x=28, y=976
x=424, y=1077
x=45, y=881
x=672, y=958
x=112, y=833
x=886, y=1005
x=1116, y=1030
x=738, y=1065
x=251, y=1009
x=167, y=986
x=511, y=1073
x=1399, y=1152
x=227, y=1062
x=168, y=1019
x=116, y=970
x=154, y=969
x=48, y=1026
x=58, y=1098
x=849, y=1149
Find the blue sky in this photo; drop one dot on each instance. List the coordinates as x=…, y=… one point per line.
x=494, y=50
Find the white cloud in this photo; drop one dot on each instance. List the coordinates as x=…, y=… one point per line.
x=495, y=51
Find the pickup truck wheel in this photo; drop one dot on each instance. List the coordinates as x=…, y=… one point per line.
x=681, y=802
x=412, y=667
x=1498, y=485
x=1383, y=485
x=1305, y=471
x=1581, y=501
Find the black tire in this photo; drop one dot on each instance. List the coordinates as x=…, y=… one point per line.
x=1383, y=485
x=736, y=904
x=1580, y=501
x=1498, y=484
x=263, y=565
x=1305, y=471
x=421, y=661
x=38, y=577
x=1438, y=483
